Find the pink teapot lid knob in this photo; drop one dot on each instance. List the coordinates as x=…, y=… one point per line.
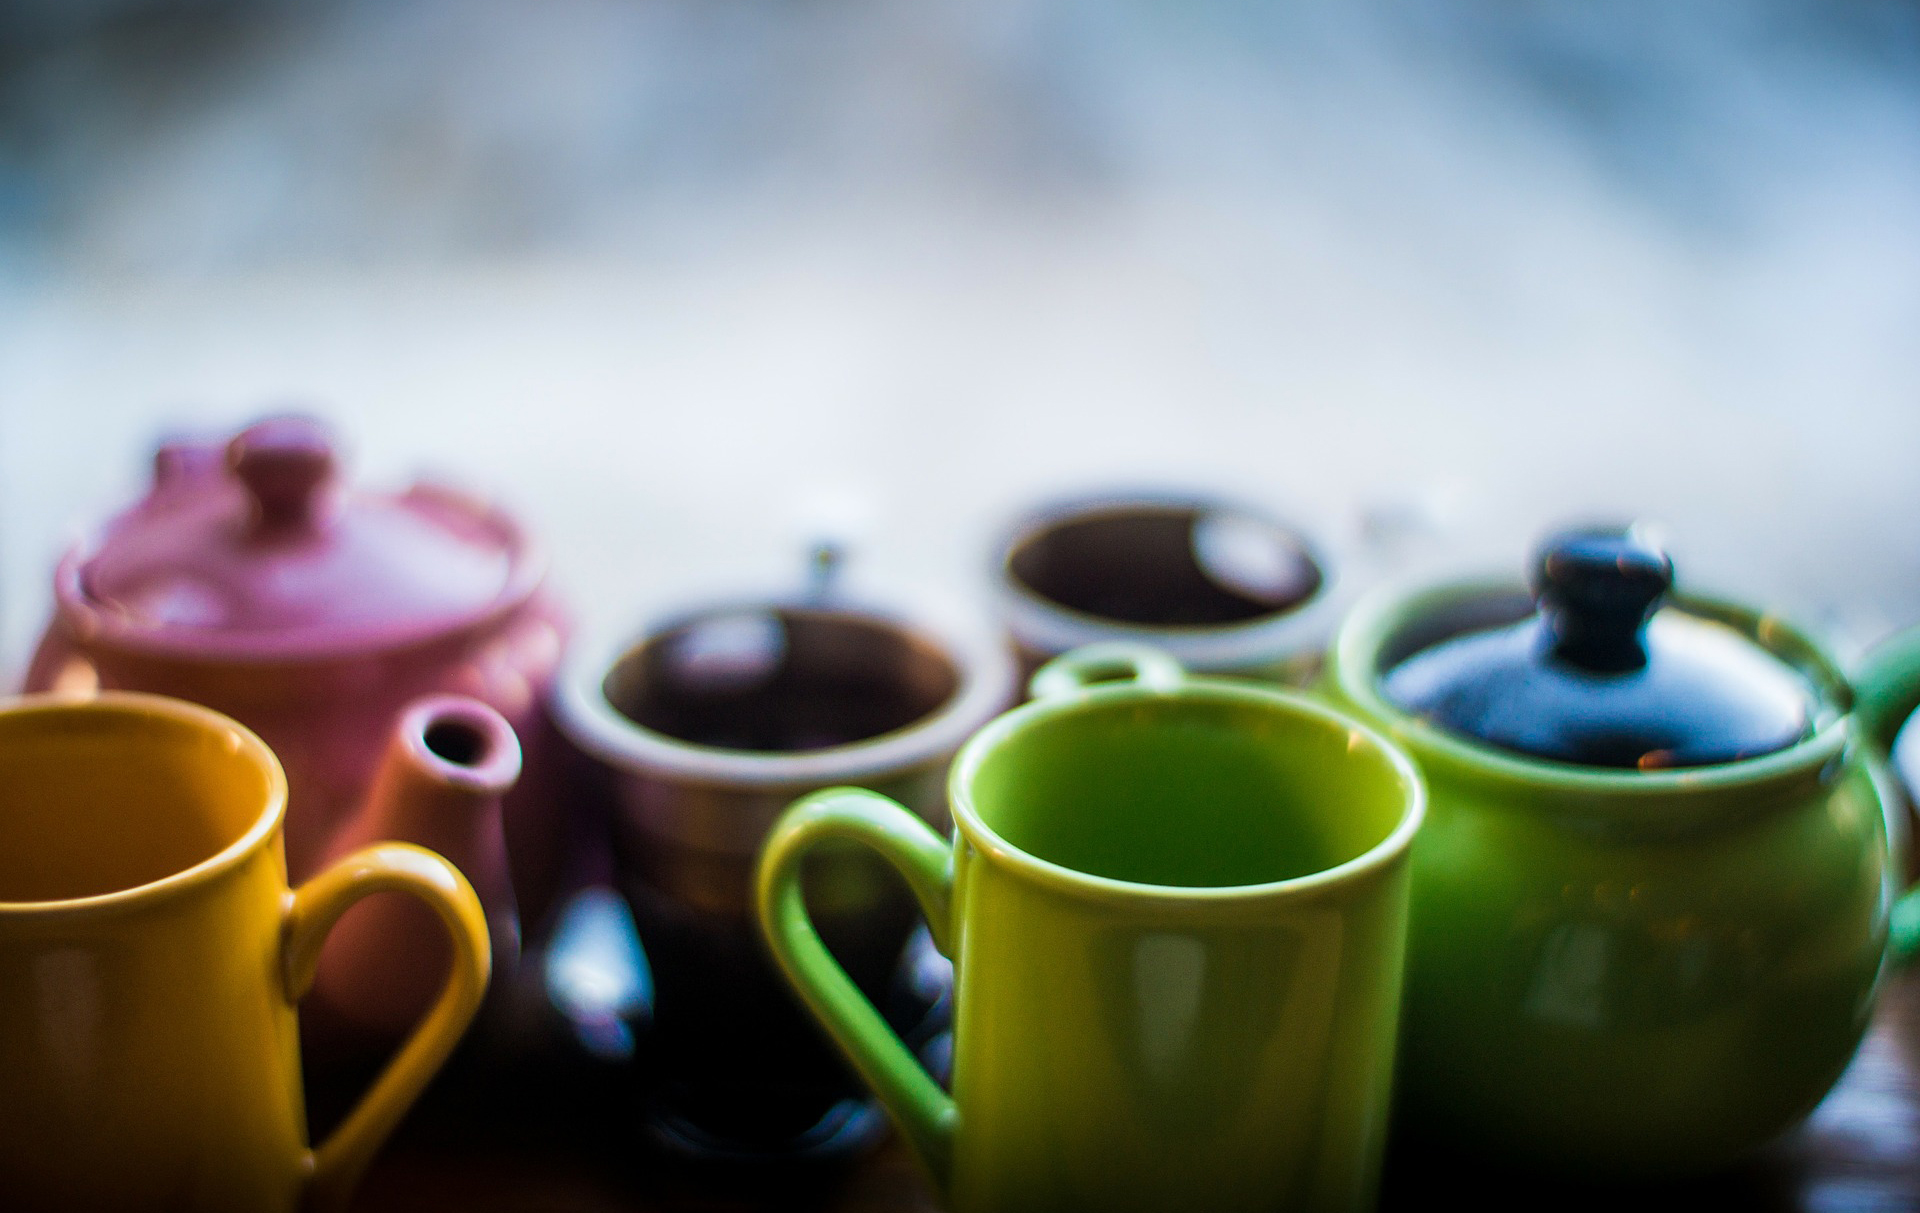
x=288, y=467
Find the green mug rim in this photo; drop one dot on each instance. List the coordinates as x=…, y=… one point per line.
x=975, y=830
x=1383, y=615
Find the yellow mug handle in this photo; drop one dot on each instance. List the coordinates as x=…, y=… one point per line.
x=334, y=1167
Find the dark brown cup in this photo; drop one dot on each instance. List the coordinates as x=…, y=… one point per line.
x=1223, y=588
x=705, y=729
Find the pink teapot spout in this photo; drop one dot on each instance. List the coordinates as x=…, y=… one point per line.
x=447, y=764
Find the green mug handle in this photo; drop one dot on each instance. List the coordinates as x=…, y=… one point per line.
x=1109, y=661
x=924, y=1112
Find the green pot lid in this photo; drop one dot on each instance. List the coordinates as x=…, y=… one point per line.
x=1603, y=675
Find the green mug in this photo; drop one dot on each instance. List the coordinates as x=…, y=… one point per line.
x=1176, y=909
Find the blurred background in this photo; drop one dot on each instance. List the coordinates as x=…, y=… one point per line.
x=689, y=283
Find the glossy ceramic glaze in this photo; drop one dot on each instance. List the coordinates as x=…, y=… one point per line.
x=151, y=956
x=1887, y=688
x=1605, y=672
x=1629, y=972
x=703, y=730
x=1223, y=587
x=250, y=580
x=1176, y=910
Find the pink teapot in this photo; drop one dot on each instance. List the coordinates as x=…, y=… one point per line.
x=395, y=651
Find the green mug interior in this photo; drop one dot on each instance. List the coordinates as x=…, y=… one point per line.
x=1208, y=788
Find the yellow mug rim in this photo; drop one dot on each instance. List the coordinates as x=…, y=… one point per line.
x=139, y=704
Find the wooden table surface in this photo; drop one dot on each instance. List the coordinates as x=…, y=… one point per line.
x=1859, y=1151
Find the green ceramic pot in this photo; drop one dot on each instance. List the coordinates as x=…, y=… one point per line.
x=1176, y=909
x=1636, y=973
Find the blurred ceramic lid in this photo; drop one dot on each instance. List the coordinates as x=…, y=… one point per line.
x=253, y=549
x=1603, y=675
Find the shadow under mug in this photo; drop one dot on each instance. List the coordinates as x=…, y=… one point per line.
x=1176, y=908
x=1222, y=588
x=704, y=730
x=150, y=958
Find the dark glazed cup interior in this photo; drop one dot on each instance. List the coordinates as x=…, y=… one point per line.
x=1220, y=587
x=780, y=680
x=1165, y=565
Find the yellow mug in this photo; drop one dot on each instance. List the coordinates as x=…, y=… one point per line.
x=151, y=955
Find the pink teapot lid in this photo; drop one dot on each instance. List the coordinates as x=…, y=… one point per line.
x=256, y=550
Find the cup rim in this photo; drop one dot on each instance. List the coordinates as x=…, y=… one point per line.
x=1043, y=624
x=1380, y=616
x=138, y=704
x=986, y=681
x=1389, y=850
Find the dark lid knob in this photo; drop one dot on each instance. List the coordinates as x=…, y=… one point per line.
x=287, y=465
x=1597, y=589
